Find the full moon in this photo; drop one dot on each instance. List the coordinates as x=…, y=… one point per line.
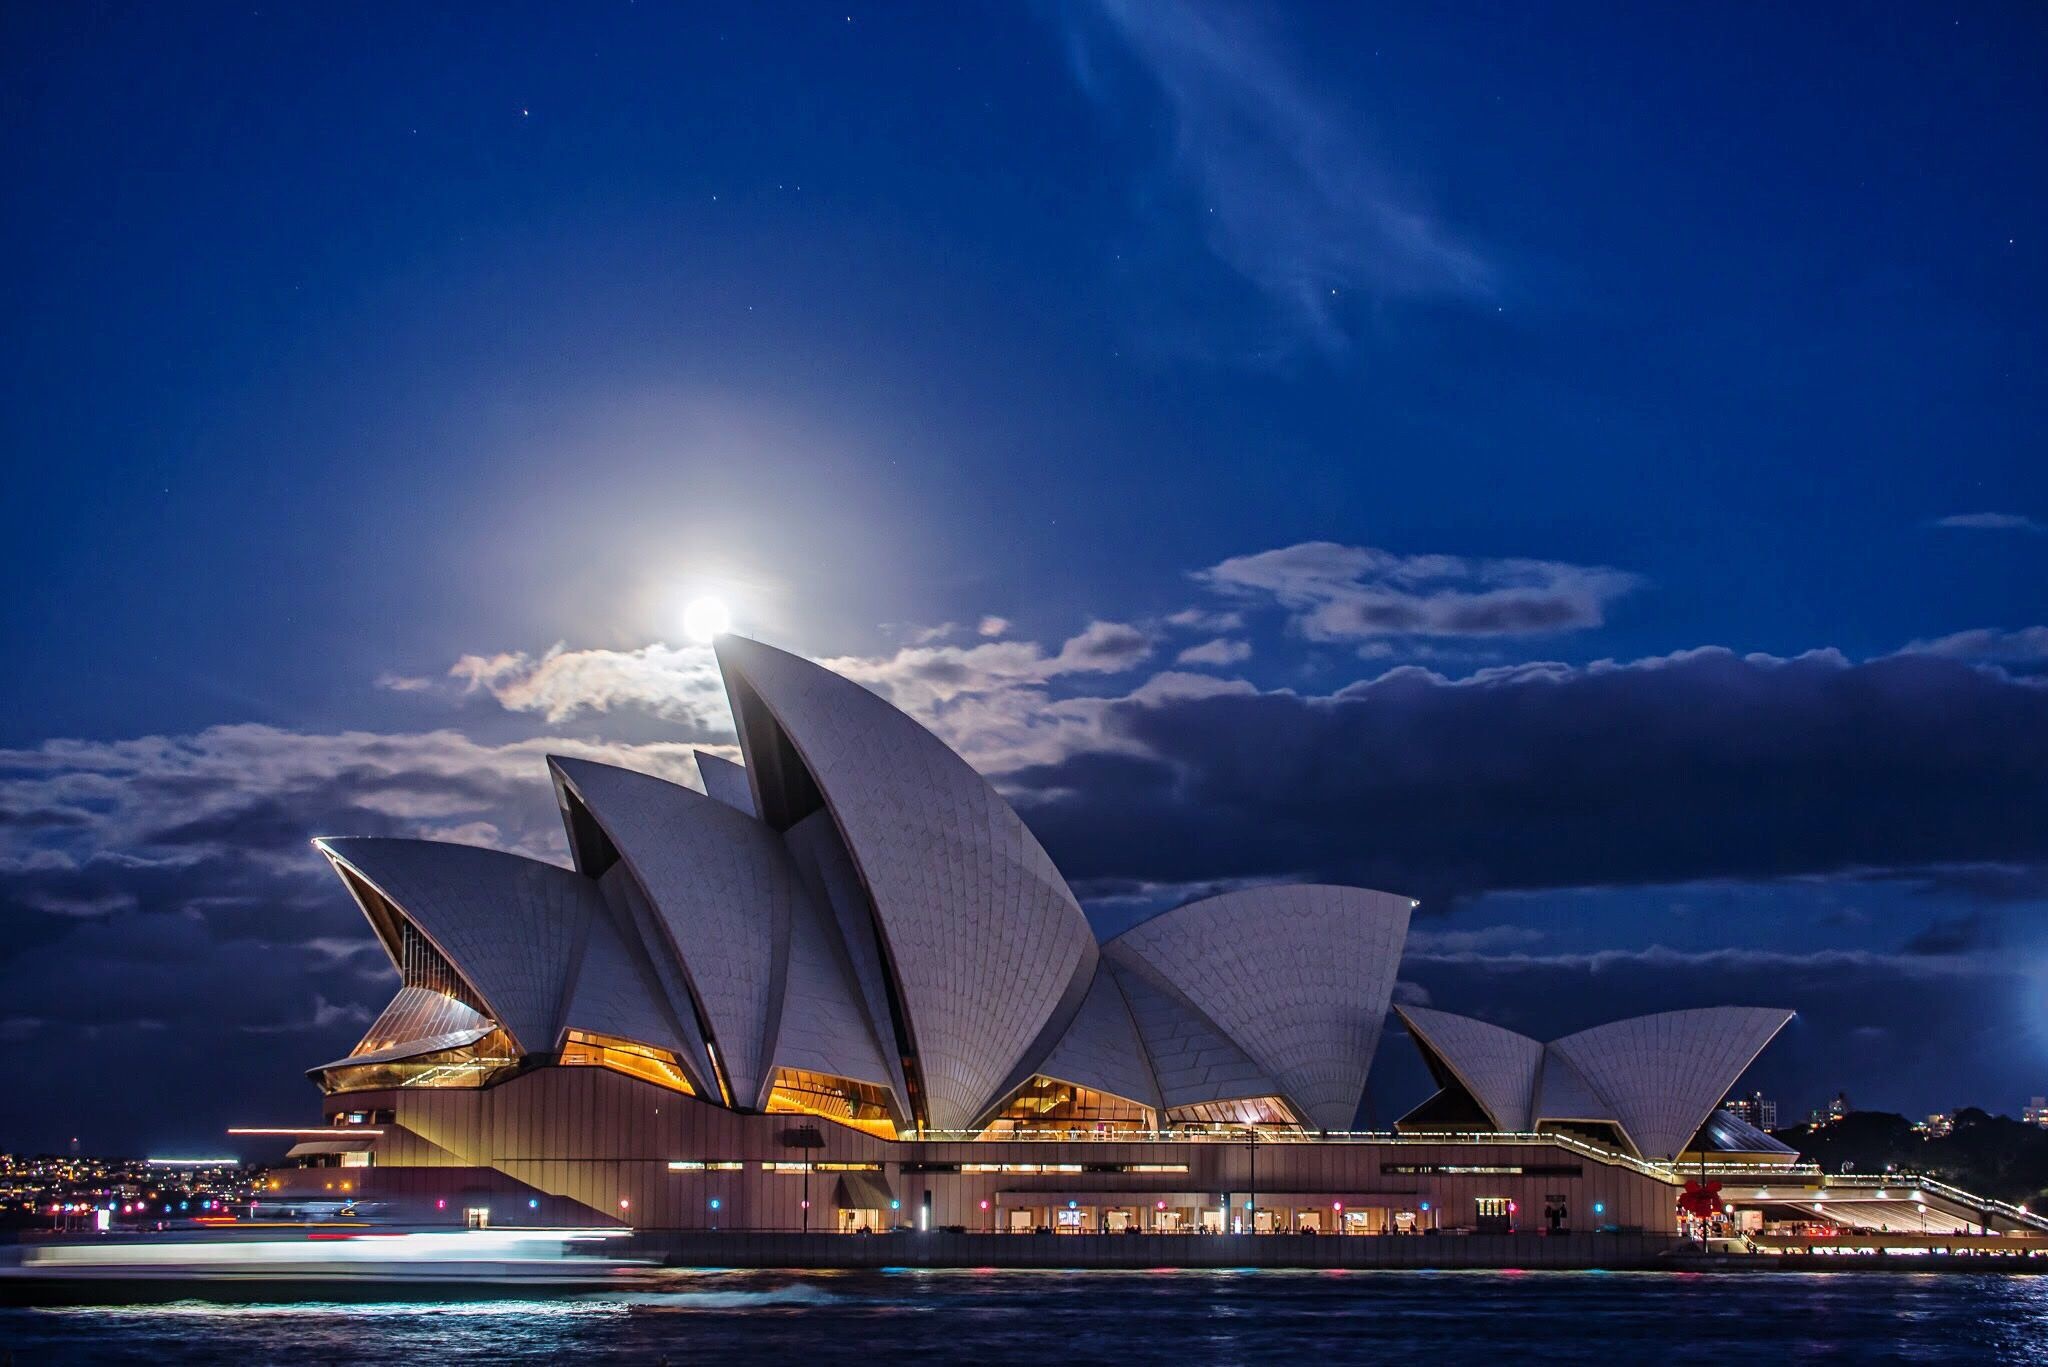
x=705, y=618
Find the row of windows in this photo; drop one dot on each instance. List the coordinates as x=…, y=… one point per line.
x=385, y=1116
x=821, y=1167
x=735, y=1165
x=1481, y=1169
x=1045, y=1167
x=472, y=1065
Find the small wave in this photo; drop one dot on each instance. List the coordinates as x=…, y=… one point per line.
x=795, y=1295
x=227, y=1310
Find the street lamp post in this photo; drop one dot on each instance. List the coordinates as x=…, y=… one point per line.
x=810, y=1139
x=1251, y=1201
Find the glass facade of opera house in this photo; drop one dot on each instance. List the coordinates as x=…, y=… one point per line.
x=844, y=988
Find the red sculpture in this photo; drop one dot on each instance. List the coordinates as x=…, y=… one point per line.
x=1702, y=1200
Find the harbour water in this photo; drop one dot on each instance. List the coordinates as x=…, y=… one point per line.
x=992, y=1318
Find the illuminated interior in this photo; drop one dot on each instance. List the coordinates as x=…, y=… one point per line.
x=1602, y=1132
x=658, y=1066
x=861, y=1105
x=1046, y=1103
x=1250, y=1110
x=471, y=1065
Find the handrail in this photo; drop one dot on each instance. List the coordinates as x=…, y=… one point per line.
x=1805, y=1173
x=2006, y=1208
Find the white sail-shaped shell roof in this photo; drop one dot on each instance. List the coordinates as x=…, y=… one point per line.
x=846, y=923
x=1497, y=1067
x=721, y=885
x=725, y=781
x=988, y=953
x=1298, y=977
x=1563, y=1095
x=1192, y=1059
x=825, y=1026
x=1662, y=1075
x=618, y=993
x=508, y=924
x=1101, y=1049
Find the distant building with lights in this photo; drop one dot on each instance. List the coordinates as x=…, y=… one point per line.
x=844, y=989
x=1833, y=1111
x=1755, y=1109
x=1937, y=1126
x=2036, y=1112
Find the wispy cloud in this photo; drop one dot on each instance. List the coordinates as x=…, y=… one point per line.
x=1990, y=522
x=989, y=700
x=1360, y=593
x=1205, y=619
x=1220, y=651
x=1287, y=189
x=680, y=683
x=2028, y=645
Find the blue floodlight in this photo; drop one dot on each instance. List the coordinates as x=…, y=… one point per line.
x=714, y=1203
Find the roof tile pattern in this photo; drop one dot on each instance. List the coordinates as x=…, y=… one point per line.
x=726, y=781
x=721, y=884
x=1562, y=1094
x=617, y=992
x=1191, y=1059
x=1299, y=977
x=509, y=924
x=1497, y=1066
x=1662, y=1075
x=834, y=886
x=985, y=941
x=640, y=928
x=826, y=1027
x=1101, y=1048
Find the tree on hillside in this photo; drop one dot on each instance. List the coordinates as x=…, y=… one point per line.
x=1990, y=1155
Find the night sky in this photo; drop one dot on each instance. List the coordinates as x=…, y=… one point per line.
x=1583, y=468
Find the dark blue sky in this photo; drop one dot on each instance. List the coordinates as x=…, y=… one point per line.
x=1596, y=460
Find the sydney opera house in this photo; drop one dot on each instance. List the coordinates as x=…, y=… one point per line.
x=843, y=988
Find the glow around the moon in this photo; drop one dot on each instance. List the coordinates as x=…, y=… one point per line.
x=704, y=618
